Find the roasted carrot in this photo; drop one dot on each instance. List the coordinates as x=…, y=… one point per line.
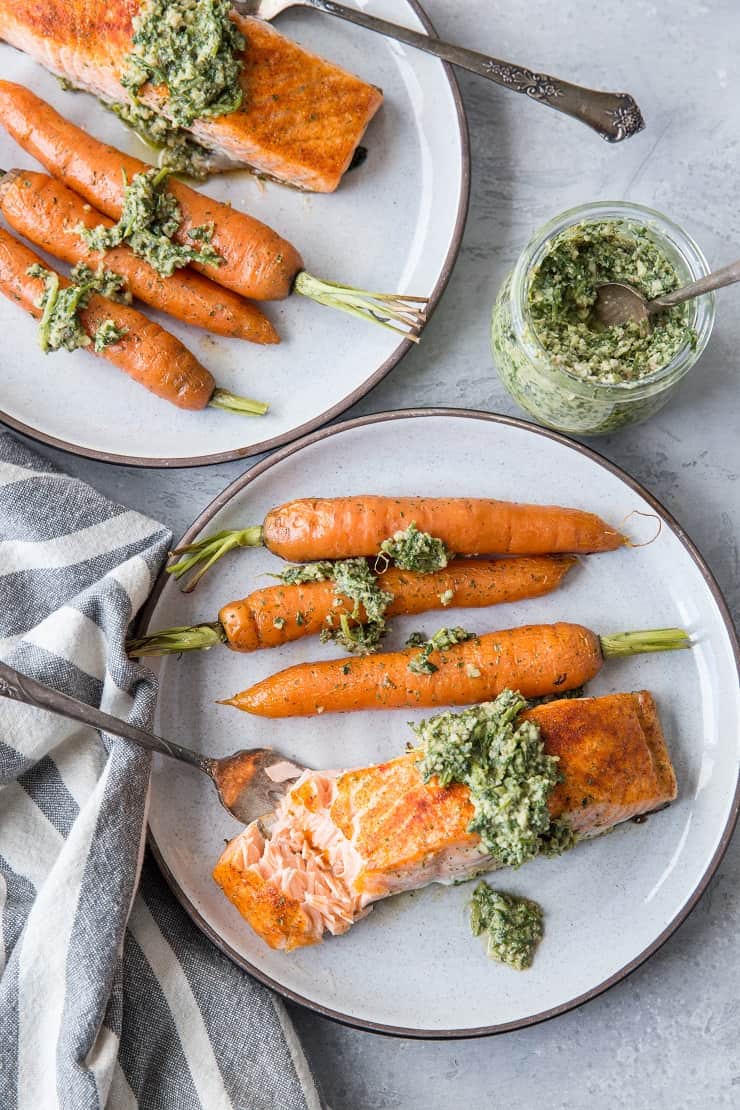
x=341, y=527
x=146, y=352
x=255, y=261
x=49, y=214
x=279, y=614
x=536, y=659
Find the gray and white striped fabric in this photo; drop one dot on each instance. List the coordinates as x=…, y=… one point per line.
x=109, y=997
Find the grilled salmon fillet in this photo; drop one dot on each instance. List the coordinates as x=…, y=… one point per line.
x=301, y=120
x=342, y=840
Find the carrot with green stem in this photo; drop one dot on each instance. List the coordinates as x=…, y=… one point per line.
x=116, y=332
x=277, y=615
x=341, y=527
x=253, y=260
x=45, y=211
x=537, y=660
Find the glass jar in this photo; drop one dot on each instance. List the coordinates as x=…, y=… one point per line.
x=551, y=394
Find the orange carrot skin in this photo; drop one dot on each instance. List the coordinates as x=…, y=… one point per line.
x=301, y=610
x=147, y=353
x=48, y=213
x=534, y=659
x=257, y=262
x=339, y=527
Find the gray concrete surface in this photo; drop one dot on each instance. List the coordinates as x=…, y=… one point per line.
x=669, y=1037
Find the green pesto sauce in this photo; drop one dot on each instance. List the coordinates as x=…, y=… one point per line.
x=562, y=294
x=150, y=217
x=440, y=641
x=106, y=282
x=410, y=550
x=192, y=47
x=414, y=550
x=352, y=579
x=60, y=328
x=513, y=926
x=502, y=761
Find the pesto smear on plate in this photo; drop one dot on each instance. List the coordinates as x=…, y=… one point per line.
x=562, y=294
x=513, y=926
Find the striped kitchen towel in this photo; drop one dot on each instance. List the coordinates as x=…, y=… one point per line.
x=109, y=996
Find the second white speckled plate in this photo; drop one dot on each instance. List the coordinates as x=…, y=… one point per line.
x=394, y=224
x=411, y=966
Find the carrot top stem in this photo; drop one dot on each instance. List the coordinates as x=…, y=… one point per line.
x=637, y=643
x=231, y=402
x=173, y=641
x=209, y=550
x=386, y=309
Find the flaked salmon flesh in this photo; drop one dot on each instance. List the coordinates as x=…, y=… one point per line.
x=340, y=841
x=302, y=117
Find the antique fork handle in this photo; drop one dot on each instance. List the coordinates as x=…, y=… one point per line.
x=614, y=116
x=19, y=687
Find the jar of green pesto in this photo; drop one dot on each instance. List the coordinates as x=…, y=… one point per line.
x=554, y=358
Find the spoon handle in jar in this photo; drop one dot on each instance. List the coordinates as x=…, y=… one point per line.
x=728, y=275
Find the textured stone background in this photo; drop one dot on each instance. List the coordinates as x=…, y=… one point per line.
x=669, y=1037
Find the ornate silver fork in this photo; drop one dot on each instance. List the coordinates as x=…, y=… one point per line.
x=250, y=783
x=614, y=116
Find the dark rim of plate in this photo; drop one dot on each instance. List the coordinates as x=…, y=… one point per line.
x=403, y=347
x=668, y=520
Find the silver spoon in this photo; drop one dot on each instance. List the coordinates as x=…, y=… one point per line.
x=614, y=116
x=619, y=303
x=249, y=783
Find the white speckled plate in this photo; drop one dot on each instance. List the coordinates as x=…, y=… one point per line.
x=395, y=224
x=411, y=966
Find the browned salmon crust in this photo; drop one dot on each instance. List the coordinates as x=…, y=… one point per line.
x=302, y=117
x=341, y=841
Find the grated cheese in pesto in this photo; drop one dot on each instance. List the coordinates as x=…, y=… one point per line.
x=60, y=328
x=150, y=217
x=513, y=926
x=411, y=549
x=194, y=49
x=440, y=641
x=502, y=761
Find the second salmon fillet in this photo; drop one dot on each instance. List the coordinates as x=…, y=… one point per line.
x=302, y=117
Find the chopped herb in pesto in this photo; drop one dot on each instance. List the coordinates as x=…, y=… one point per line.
x=361, y=630
x=106, y=282
x=514, y=926
x=60, y=328
x=306, y=572
x=440, y=641
x=415, y=550
x=106, y=334
x=503, y=763
x=150, y=217
x=178, y=151
x=192, y=47
x=562, y=294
